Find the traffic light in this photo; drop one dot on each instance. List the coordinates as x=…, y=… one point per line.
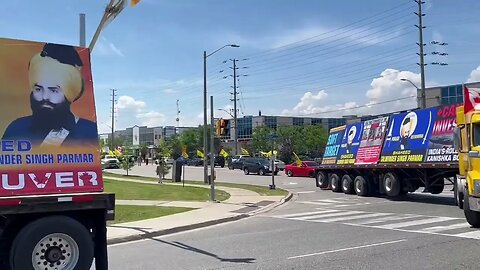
x=222, y=127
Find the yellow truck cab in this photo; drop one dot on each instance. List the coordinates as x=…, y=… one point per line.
x=467, y=141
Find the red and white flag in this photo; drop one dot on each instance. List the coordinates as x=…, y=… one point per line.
x=472, y=99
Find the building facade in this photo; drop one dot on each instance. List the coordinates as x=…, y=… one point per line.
x=444, y=95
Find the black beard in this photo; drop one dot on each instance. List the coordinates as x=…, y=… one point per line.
x=46, y=119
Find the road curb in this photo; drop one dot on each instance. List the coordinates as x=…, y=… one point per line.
x=174, y=230
x=272, y=205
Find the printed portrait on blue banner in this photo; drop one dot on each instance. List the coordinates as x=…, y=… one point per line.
x=350, y=143
x=408, y=136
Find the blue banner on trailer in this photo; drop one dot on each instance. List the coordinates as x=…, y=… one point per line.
x=333, y=145
x=440, y=147
x=350, y=143
x=408, y=136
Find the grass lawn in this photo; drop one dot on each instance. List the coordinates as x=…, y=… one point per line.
x=138, y=191
x=128, y=213
x=262, y=190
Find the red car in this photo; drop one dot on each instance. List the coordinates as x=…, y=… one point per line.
x=306, y=169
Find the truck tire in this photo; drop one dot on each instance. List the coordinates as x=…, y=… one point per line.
x=457, y=195
x=335, y=183
x=322, y=180
x=391, y=184
x=472, y=217
x=437, y=189
x=347, y=184
x=52, y=241
x=361, y=186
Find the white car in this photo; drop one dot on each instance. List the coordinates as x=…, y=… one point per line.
x=110, y=162
x=279, y=164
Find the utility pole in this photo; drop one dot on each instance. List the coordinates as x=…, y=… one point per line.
x=114, y=94
x=83, y=40
x=421, y=54
x=235, y=132
x=178, y=114
x=212, y=154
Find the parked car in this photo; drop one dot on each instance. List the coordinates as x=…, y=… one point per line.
x=307, y=168
x=194, y=162
x=110, y=162
x=237, y=163
x=260, y=166
x=280, y=164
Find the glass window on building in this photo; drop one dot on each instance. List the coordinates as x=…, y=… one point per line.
x=271, y=122
x=316, y=122
x=244, y=127
x=451, y=94
x=298, y=121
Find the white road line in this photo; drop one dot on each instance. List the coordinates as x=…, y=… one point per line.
x=386, y=219
x=315, y=203
x=345, y=249
x=344, y=213
x=446, y=228
x=473, y=235
x=306, y=192
x=329, y=201
x=353, y=217
x=414, y=223
x=306, y=213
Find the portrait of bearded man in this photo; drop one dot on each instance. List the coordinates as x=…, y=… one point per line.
x=55, y=81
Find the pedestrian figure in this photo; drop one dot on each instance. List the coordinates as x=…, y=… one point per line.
x=160, y=172
x=139, y=160
x=146, y=161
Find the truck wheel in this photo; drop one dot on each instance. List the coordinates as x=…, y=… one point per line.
x=437, y=189
x=361, y=186
x=246, y=171
x=335, y=183
x=54, y=242
x=457, y=195
x=473, y=217
x=391, y=184
x=322, y=180
x=347, y=184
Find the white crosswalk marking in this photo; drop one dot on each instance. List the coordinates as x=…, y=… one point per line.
x=473, y=235
x=343, y=213
x=308, y=213
x=384, y=219
x=446, y=228
x=415, y=222
x=390, y=221
x=353, y=217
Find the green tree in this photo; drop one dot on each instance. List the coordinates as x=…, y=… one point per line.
x=315, y=138
x=163, y=151
x=216, y=140
x=175, y=146
x=191, y=139
x=163, y=168
x=260, y=139
x=127, y=163
x=143, y=151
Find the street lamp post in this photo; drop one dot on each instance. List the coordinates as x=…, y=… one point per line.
x=422, y=94
x=205, y=139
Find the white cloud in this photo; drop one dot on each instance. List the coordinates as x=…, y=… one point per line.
x=474, y=75
x=127, y=102
x=387, y=87
x=106, y=48
x=170, y=91
x=134, y=112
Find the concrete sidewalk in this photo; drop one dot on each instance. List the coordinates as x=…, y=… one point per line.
x=242, y=203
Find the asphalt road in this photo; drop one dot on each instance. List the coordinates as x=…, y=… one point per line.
x=320, y=230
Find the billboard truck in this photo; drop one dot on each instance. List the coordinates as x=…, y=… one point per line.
x=394, y=155
x=53, y=209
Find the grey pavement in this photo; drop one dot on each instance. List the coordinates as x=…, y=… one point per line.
x=320, y=230
x=241, y=203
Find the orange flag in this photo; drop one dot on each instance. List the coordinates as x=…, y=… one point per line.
x=134, y=2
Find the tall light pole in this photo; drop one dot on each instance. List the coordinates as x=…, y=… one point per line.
x=205, y=139
x=418, y=89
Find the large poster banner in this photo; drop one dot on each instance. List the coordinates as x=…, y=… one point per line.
x=408, y=136
x=350, y=143
x=372, y=139
x=333, y=145
x=48, y=123
x=440, y=146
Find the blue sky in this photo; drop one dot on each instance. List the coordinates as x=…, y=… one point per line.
x=311, y=58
